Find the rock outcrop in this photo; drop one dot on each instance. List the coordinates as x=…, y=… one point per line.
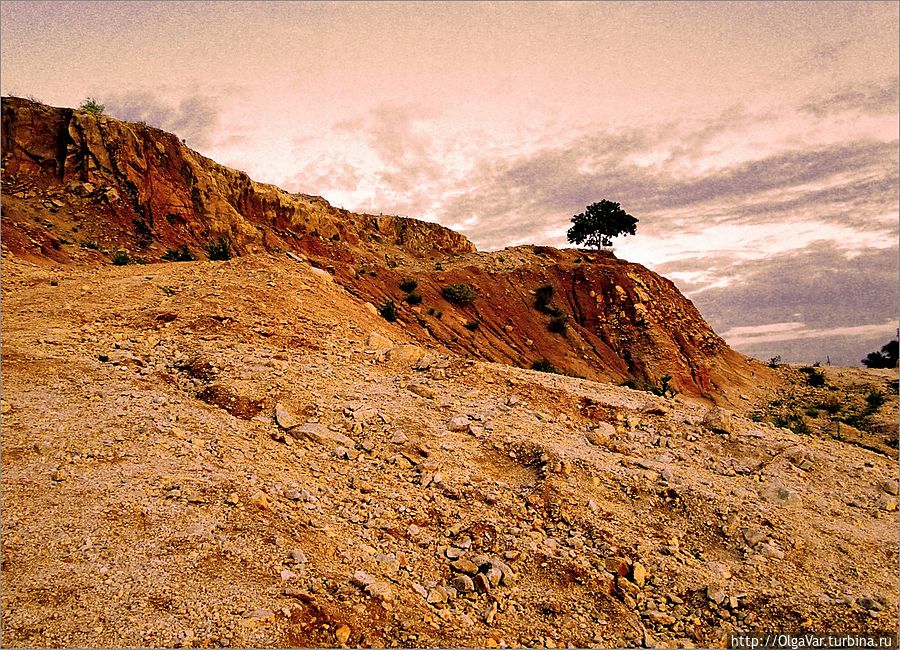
x=78, y=187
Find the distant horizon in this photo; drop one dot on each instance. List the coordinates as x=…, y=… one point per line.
x=757, y=143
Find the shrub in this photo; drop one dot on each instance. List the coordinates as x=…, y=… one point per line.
x=144, y=230
x=887, y=358
x=472, y=325
x=558, y=324
x=542, y=297
x=121, y=258
x=874, y=400
x=813, y=413
x=408, y=285
x=831, y=404
x=431, y=311
x=90, y=245
x=413, y=298
x=91, y=105
x=460, y=294
x=543, y=365
x=388, y=311
x=180, y=255
x=815, y=378
x=775, y=361
x=219, y=250
x=439, y=315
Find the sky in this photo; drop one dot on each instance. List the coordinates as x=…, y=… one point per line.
x=756, y=142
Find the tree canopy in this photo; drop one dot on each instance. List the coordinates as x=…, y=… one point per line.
x=599, y=223
x=887, y=358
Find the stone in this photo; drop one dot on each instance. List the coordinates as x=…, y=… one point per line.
x=398, y=438
x=459, y=424
x=342, y=634
x=718, y=420
x=436, y=596
x=490, y=612
x=260, y=500
x=778, y=494
x=465, y=565
x=454, y=553
x=494, y=575
x=870, y=604
x=463, y=584
x=285, y=418
x=406, y=354
x=659, y=618
x=888, y=503
x=888, y=487
x=362, y=579
x=482, y=585
x=378, y=342
x=292, y=495
x=321, y=434
x=381, y=590
x=617, y=565
x=507, y=576
x=769, y=550
x=298, y=556
x=639, y=574
x=753, y=536
x=287, y=574
x=715, y=594
x=422, y=390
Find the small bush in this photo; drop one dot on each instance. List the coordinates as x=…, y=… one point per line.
x=831, y=404
x=413, y=298
x=460, y=294
x=219, y=250
x=542, y=297
x=543, y=365
x=439, y=315
x=775, y=361
x=814, y=377
x=182, y=254
x=408, y=285
x=472, y=325
x=874, y=401
x=813, y=413
x=90, y=245
x=431, y=311
x=144, y=230
x=91, y=105
x=121, y=258
x=558, y=325
x=388, y=311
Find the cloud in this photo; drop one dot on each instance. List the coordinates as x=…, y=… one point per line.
x=540, y=191
x=194, y=117
x=816, y=301
x=868, y=98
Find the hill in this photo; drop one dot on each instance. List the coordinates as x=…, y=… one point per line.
x=246, y=453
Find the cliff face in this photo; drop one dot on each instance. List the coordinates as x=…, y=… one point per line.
x=77, y=186
x=142, y=175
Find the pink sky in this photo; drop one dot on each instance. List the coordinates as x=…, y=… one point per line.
x=740, y=134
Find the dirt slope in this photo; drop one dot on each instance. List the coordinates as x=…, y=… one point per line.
x=409, y=497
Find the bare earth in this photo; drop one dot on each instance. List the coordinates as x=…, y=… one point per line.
x=223, y=454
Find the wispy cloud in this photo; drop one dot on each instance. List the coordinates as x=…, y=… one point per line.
x=194, y=117
x=867, y=97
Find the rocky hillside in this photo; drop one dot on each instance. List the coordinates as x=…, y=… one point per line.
x=78, y=187
x=241, y=454
x=247, y=453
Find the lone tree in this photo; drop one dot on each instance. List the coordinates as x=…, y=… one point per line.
x=887, y=358
x=599, y=223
